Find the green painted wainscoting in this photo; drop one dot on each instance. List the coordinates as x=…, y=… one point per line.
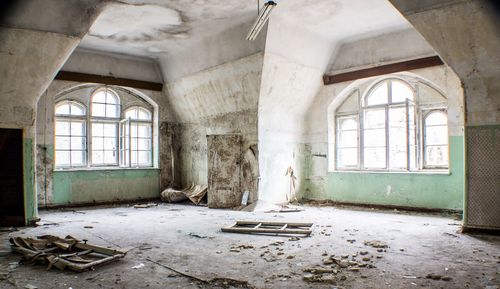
x=423, y=190
x=101, y=185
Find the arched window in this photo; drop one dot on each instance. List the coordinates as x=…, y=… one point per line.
x=101, y=134
x=383, y=132
x=136, y=138
x=70, y=134
x=105, y=111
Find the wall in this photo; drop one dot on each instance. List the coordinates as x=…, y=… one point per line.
x=219, y=100
x=83, y=186
x=426, y=190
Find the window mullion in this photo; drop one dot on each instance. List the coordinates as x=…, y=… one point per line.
x=408, y=149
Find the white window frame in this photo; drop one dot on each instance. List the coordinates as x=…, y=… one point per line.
x=420, y=112
x=126, y=125
x=69, y=118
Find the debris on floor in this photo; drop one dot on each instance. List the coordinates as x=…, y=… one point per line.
x=63, y=253
x=286, y=209
x=376, y=244
x=144, y=206
x=195, y=193
x=269, y=228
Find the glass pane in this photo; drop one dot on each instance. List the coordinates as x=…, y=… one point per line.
x=110, y=143
x=77, y=158
x=62, y=127
x=144, y=114
x=77, y=128
x=77, y=109
x=109, y=157
x=348, y=157
x=97, y=143
x=349, y=138
x=97, y=129
x=436, y=135
x=401, y=92
x=397, y=157
x=374, y=137
x=413, y=157
x=131, y=113
x=374, y=118
x=111, y=98
x=112, y=110
x=133, y=130
x=62, y=143
x=145, y=144
x=374, y=158
x=98, y=109
x=97, y=157
x=436, y=118
x=99, y=96
x=134, y=157
x=348, y=124
x=62, y=158
x=78, y=143
x=144, y=157
x=397, y=117
x=143, y=130
x=133, y=143
x=378, y=96
x=62, y=109
x=436, y=155
x=109, y=129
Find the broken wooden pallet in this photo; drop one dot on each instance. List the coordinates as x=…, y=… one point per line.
x=269, y=228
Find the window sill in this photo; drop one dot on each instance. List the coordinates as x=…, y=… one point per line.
x=426, y=172
x=103, y=169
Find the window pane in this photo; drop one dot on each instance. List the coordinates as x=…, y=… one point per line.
x=436, y=155
x=77, y=109
x=109, y=129
x=97, y=143
x=436, y=135
x=97, y=157
x=397, y=117
x=109, y=157
x=134, y=157
x=374, y=118
x=131, y=113
x=133, y=130
x=348, y=138
x=62, y=143
x=374, y=158
x=436, y=118
x=397, y=157
x=98, y=109
x=78, y=143
x=145, y=144
x=144, y=158
x=348, y=124
x=378, y=95
x=62, y=109
x=99, y=96
x=62, y=158
x=111, y=98
x=62, y=127
x=77, y=158
x=77, y=128
x=401, y=92
x=112, y=110
x=374, y=137
x=144, y=130
x=143, y=114
x=347, y=157
x=110, y=143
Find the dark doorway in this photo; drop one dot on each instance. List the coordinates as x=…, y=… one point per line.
x=11, y=177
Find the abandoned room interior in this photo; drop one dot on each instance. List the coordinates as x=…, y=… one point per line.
x=249, y=144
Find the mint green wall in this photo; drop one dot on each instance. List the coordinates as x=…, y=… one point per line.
x=439, y=191
x=87, y=186
x=30, y=208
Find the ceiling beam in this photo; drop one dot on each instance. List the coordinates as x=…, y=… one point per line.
x=84, y=77
x=383, y=69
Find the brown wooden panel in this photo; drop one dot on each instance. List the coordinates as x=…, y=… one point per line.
x=383, y=69
x=84, y=77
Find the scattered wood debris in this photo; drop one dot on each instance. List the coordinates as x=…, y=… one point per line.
x=437, y=277
x=376, y=244
x=144, y=206
x=269, y=228
x=286, y=209
x=63, y=253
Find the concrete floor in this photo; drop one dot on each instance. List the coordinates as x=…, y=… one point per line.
x=418, y=245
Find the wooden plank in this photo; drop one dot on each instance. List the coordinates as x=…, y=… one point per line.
x=383, y=69
x=274, y=223
x=284, y=227
x=258, y=225
x=93, y=78
x=265, y=231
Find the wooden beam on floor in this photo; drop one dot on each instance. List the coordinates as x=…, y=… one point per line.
x=110, y=80
x=383, y=69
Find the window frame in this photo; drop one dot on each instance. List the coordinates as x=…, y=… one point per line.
x=69, y=118
x=129, y=122
x=425, y=114
x=418, y=123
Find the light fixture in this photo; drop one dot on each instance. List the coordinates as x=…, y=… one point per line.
x=264, y=14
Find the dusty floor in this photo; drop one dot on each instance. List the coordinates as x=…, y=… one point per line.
x=188, y=239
